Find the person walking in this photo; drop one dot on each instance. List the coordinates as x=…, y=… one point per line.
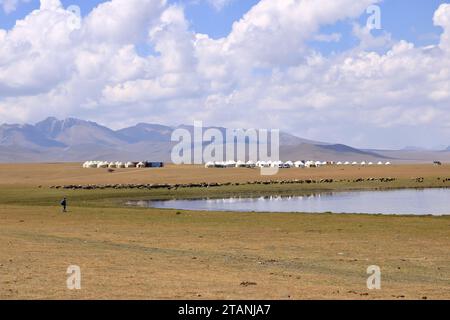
x=64, y=204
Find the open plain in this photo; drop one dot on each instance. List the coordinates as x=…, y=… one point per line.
x=129, y=253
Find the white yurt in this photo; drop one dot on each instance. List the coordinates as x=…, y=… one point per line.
x=354, y=163
x=103, y=164
x=363, y=163
x=220, y=164
x=347, y=163
x=318, y=163
x=299, y=164
x=240, y=164
x=130, y=165
x=370, y=164
x=210, y=165
x=277, y=164
x=339, y=163
x=250, y=164
x=112, y=165
x=120, y=165
x=380, y=163
x=230, y=164
x=310, y=164
x=141, y=165
x=289, y=164
x=388, y=163
x=263, y=164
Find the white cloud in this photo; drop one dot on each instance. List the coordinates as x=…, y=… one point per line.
x=11, y=5
x=442, y=19
x=219, y=4
x=263, y=74
x=332, y=37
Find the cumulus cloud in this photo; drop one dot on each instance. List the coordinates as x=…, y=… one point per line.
x=219, y=4
x=263, y=74
x=11, y=5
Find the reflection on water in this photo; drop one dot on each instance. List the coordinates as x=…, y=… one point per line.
x=408, y=201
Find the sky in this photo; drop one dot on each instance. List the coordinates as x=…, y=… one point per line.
x=316, y=69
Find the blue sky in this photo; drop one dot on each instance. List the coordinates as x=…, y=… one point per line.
x=404, y=19
x=307, y=67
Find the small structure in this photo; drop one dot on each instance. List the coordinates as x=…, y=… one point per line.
x=241, y=164
x=288, y=164
x=437, y=163
x=250, y=164
x=210, y=165
x=310, y=164
x=141, y=165
x=278, y=164
x=299, y=164
x=103, y=164
x=264, y=164
x=150, y=164
x=230, y=164
x=130, y=165
x=112, y=165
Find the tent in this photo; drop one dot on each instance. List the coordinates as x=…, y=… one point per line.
x=103, y=164
x=250, y=164
x=310, y=164
x=230, y=164
x=130, y=165
x=299, y=164
x=112, y=165
x=210, y=165
x=141, y=165
x=241, y=164
x=288, y=164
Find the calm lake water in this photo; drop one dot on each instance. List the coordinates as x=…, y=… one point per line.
x=392, y=202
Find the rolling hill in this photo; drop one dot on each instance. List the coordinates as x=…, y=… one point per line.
x=54, y=140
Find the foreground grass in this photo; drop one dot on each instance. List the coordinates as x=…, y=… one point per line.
x=157, y=254
x=132, y=253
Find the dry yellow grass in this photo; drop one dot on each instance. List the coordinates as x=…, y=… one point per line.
x=47, y=174
x=129, y=253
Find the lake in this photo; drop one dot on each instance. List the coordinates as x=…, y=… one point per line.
x=390, y=202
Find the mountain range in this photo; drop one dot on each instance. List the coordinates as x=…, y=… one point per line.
x=54, y=140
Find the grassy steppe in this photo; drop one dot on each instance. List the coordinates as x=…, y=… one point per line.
x=129, y=253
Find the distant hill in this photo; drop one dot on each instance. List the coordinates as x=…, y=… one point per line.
x=79, y=140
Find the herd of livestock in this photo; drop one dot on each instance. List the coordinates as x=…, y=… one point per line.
x=287, y=164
